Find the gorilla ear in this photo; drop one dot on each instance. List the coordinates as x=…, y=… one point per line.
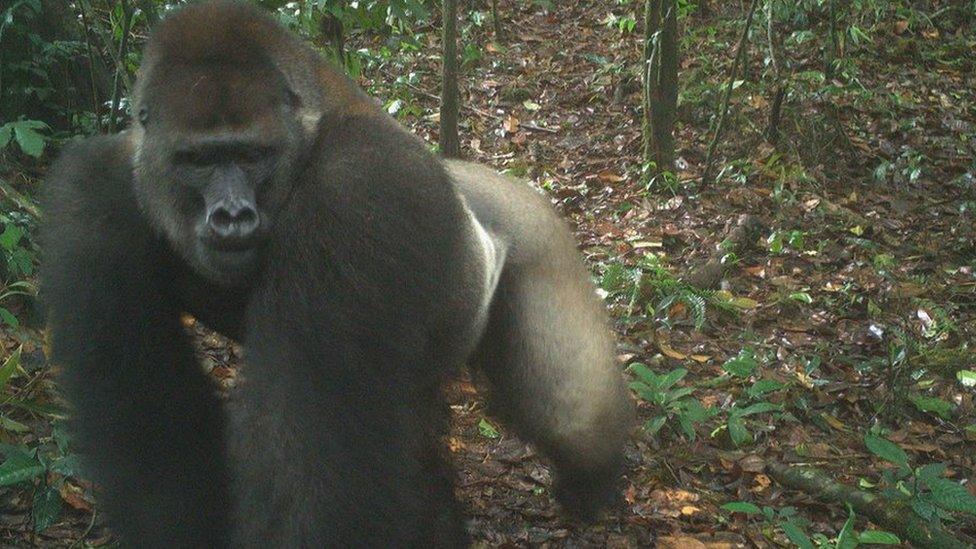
x=143, y=116
x=309, y=117
x=293, y=100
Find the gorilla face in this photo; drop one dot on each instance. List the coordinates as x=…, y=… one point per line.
x=216, y=150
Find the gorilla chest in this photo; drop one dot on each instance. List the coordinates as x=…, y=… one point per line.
x=221, y=309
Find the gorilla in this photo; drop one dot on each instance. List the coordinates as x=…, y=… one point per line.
x=264, y=193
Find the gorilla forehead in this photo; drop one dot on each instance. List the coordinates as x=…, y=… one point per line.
x=213, y=32
x=225, y=95
x=211, y=64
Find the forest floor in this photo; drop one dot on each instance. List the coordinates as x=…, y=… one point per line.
x=853, y=310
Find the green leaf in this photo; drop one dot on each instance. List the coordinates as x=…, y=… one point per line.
x=679, y=393
x=742, y=365
x=796, y=535
x=670, y=378
x=738, y=432
x=742, y=507
x=929, y=472
x=6, y=132
x=47, y=508
x=924, y=508
x=693, y=410
x=878, y=537
x=933, y=404
x=9, y=367
x=743, y=303
x=12, y=426
x=653, y=425
x=952, y=496
x=487, y=430
x=687, y=426
x=846, y=538
x=967, y=378
x=8, y=318
x=886, y=450
x=11, y=237
x=644, y=373
x=20, y=466
x=764, y=386
x=30, y=141
x=757, y=408
x=69, y=466
x=802, y=297
x=647, y=393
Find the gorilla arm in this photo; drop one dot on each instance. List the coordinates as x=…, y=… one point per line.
x=143, y=411
x=335, y=432
x=547, y=348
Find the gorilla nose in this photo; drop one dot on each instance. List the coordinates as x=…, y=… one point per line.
x=233, y=221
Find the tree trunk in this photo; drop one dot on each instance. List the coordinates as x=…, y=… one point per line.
x=120, y=70
x=830, y=56
x=449, y=142
x=660, y=84
x=495, y=21
x=779, y=93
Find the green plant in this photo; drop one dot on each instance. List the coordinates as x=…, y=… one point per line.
x=625, y=24
x=25, y=134
x=778, y=241
x=794, y=526
x=667, y=401
x=650, y=281
x=42, y=468
x=925, y=489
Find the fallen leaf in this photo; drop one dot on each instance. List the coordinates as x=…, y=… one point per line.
x=833, y=422
x=511, y=124
x=679, y=542
x=75, y=497
x=455, y=445
x=609, y=177
x=752, y=464
x=667, y=350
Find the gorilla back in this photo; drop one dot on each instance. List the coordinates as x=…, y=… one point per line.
x=262, y=192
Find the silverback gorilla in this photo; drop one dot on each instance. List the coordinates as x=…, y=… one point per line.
x=262, y=192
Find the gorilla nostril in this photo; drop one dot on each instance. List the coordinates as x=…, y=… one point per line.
x=233, y=222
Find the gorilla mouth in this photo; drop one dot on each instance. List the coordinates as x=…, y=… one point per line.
x=226, y=265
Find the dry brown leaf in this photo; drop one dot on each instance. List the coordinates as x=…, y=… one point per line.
x=610, y=177
x=455, y=445
x=511, y=124
x=75, y=497
x=679, y=542
x=833, y=422
x=752, y=464
x=668, y=351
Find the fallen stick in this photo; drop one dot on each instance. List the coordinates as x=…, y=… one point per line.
x=900, y=519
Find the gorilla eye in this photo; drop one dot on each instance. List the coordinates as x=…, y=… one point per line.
x=143, y=116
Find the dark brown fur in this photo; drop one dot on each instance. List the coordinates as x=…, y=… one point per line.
x=373, y=277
